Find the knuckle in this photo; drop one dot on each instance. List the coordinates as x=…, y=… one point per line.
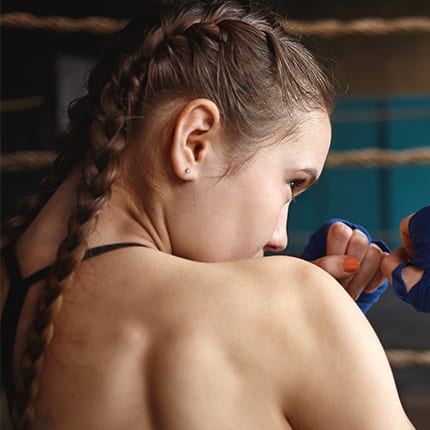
x=374, y=252
x=340, y=231
x=358, y=238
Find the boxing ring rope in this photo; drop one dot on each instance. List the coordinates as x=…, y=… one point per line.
x=36, y=160
x=400, y=358
x=323, y=28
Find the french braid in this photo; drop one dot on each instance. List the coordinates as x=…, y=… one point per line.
x=100, y=168
x=98, y=173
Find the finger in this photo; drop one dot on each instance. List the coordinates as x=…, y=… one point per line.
x=391, y=261
x=379, y=278
x=410, y=274
x=370, y=267
x=339, y=266
x=337, y=238
x=376, y=282
x=358, y=244
x=406, y=237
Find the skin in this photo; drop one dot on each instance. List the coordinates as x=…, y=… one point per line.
x=344, y=242
x=197, y=331
x=410, y=274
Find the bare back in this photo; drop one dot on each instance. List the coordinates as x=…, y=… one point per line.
x=148, y=346
x=147, y=340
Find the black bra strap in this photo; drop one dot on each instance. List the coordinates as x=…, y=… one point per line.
x=9, y=321
x=93, y=252
x=43, y=273
x=17, y=293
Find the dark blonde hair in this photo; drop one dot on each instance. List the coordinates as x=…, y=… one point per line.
x=260, y=78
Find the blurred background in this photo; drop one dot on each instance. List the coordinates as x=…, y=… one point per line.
x=383, y=103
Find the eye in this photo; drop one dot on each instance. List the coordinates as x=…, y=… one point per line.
x=296, y=185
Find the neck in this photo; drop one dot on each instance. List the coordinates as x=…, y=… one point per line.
x=119, y=221
x=122, y=220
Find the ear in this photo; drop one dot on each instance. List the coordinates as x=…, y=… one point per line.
x=196, y=129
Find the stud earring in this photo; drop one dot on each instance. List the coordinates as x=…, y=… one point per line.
x=187, y=170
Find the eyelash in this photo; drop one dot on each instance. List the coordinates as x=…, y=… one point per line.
x=295, y=184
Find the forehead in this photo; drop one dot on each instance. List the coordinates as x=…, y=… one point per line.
x=304, y=148
x=310, y=141
x=313, y=127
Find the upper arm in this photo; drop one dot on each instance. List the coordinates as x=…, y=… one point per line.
x=338, y=375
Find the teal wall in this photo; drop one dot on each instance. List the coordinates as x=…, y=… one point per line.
x=372, y=196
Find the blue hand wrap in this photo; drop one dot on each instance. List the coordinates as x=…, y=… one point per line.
x=419, y=295
x=316, y=248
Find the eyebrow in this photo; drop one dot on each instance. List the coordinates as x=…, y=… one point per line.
x=311, y=173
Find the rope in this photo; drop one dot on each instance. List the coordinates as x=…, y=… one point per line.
x=408, y=357
x=378, y=158
x=35, y=160
x=18, y=105
x=91, y=24
x=26, y=160
x=377, y=114
x=381, y=114
x=365, y=26
x=323, y=28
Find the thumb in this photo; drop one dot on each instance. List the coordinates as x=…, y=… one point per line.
x=391, y=261
x=411, y=275
x=339, y=266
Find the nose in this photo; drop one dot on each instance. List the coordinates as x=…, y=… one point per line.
x=279, y=239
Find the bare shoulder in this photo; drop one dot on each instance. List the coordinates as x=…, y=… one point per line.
x=290, y=333
x=329, y=355
x=302, y=335
x=284, y=285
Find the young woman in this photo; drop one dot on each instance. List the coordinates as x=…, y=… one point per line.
x=135, y=293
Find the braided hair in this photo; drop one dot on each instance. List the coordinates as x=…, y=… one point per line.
x=260, y=78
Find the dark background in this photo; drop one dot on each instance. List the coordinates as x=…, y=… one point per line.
x=365, y=66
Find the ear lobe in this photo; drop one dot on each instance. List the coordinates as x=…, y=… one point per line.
x=195, y=128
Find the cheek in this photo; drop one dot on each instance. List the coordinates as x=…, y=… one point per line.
x=270, y=215
x=284, y=214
